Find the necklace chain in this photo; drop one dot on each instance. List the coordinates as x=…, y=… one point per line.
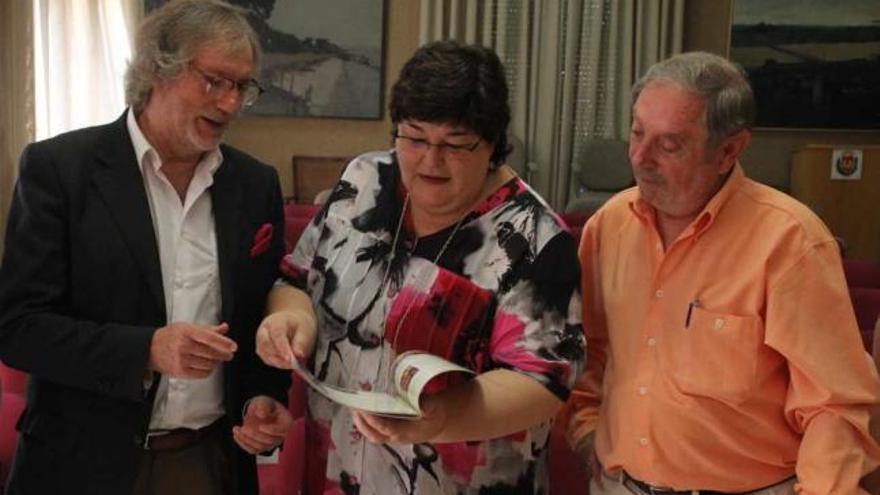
x=384, y=286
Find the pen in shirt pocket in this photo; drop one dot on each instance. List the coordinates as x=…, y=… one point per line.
x=687, y=319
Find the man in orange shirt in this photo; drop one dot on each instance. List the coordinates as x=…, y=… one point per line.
x=723, y=353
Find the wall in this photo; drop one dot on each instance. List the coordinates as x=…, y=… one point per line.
x=769, y=157
x=275, y=140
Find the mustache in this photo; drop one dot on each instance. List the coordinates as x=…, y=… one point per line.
x=649, y=176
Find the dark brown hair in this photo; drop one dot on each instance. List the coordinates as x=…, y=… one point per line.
x=448, y=82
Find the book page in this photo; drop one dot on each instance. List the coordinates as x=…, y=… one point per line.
x=372, y=402
x=413, y=370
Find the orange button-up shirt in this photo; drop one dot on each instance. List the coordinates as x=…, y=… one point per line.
x=730, y=360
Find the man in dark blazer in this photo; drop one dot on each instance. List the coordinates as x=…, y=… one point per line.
x=137, y=262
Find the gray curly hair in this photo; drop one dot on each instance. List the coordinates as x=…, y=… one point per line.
x=171, y=36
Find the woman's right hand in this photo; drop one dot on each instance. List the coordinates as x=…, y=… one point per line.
x=285, y=335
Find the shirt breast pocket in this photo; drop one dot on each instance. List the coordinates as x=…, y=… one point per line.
x=716, y=354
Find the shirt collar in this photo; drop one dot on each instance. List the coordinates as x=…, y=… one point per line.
x=146, y=154
x=645, y=212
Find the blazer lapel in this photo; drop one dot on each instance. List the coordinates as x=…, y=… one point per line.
x=120, y=183
x=226, y=197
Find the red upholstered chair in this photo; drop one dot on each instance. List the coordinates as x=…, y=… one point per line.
x=866, y=303
x=296, y=219
x=12, y=401
x=285, y=477
x=13, y=380
x=862, y=273
x=568, y=475
x=11, y=407
x=575, y=221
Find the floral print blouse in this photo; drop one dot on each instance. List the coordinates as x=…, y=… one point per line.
x=500, y=289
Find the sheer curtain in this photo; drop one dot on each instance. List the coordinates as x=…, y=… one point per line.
x=570, y=65
x=16, y=94
x=81, y=51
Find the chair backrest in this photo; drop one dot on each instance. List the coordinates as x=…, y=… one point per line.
x=313, y=174
x=862, y=273
x=605, y=166
x=296, y=219
x=575, y=222
x=602, y=171
x=866, y=303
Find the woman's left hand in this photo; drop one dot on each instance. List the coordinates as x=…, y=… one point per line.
x=379, y=429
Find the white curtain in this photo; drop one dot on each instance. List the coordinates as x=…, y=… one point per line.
x=570, y=65
x=16, y=94
x=81, y=51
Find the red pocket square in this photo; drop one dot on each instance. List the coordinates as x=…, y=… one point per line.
x=262, y=239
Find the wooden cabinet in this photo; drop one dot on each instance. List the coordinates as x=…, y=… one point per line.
x=850, y=208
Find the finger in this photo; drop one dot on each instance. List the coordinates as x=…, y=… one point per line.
x=199, y=363
x=276, y=431
x=303, y=342
x=245, y=442
x=281, y=342
x=275, y=360
x=213, y=338
x=380, y=424
x=267, y=352
x=366, y=429
x=193, y=373
x=204, y=352
x=260, y=408
x=258, y=438
x=277, y=426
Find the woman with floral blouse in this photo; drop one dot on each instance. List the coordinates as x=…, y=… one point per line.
x=438, y=246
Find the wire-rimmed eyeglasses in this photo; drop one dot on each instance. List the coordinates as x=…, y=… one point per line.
x=218, y=86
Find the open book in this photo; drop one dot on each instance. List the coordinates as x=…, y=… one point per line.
x=411, y=372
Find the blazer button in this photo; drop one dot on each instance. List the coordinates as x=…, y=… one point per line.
x=137, y=440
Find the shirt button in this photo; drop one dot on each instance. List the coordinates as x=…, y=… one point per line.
x=652, y=341
x=659, y=293
x=643, y=442
x=643, y=390
x=719, y=323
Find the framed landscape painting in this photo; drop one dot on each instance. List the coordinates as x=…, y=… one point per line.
x=321, y=58
x=812, y=63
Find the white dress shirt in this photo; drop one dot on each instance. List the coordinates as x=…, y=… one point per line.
x=187, y=245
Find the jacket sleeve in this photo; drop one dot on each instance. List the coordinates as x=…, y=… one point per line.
x=261, y=379
x=37, y=333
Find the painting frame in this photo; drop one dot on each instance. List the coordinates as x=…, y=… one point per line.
x=327, y=70
x=813, y=67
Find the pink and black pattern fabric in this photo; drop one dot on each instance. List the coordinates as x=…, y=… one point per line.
x=503, y=294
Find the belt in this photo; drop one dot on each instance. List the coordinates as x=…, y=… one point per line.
x=653, y=490
x=179, y=438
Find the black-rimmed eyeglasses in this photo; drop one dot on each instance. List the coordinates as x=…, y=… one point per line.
x=420, y=145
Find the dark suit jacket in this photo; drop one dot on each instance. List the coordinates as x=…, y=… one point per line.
x=81, y=295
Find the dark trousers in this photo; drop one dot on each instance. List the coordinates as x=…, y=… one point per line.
x=202, y=468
